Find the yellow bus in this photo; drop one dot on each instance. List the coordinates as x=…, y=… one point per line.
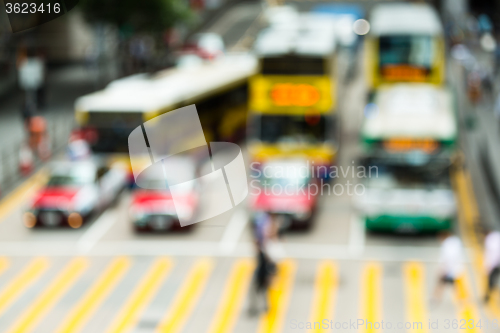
x=405, y=44
x=292, y=98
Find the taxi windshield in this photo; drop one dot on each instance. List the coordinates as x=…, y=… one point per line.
x=292, y=129
x=68, y=180
x=72, y=175
x=290, y=182
x=291, y=176
x=406, y=50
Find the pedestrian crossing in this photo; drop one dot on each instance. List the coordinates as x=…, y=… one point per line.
x=193, y=294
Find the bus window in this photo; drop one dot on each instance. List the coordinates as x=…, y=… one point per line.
x=112, y=130
x=292, y=128
x=294, y=66
x=409, y=50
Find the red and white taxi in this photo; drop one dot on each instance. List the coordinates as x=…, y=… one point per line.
x=74, y=191
x=285, y=188
x=153, y=208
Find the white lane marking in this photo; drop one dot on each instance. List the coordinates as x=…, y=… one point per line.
x=96, y=231
x=356, y=237
x=233, y=231
x=211, y=248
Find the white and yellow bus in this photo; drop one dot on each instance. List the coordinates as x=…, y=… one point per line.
x=405, y=44
x=218, y=88
x=292, y=99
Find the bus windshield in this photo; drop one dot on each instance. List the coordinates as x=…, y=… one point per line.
x=409, y=50
x=291, y=65
x=387, y=176
x=292, y=129
x=112, y=129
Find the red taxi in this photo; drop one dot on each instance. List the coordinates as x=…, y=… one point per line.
x=285, y=188
x=74, y=191
x=153, y=208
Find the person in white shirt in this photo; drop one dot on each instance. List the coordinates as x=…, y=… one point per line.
x=491, y=260
x=451, y=262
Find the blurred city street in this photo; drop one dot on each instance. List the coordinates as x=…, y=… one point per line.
x=84, y=254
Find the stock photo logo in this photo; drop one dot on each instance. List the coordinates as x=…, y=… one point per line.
x=165, y=148
x=27, y=14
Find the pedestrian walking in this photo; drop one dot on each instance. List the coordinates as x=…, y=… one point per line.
x=265, y=231
x=491, y=261
x=451, y=262
x=31, y=77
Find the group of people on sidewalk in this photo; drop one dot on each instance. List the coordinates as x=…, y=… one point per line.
x=32, y=80
x=451, y=262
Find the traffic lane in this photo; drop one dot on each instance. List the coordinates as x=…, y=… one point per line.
x=330, y=223
x=112, y=224
x=233, y=25
x=211, y=230
x=351, y=112
x=12, y=208
x=334, y=227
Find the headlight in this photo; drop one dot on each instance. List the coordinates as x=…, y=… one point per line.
x=29, y=219
x=75, y=220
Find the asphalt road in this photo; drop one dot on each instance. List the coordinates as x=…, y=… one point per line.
x=105, y=278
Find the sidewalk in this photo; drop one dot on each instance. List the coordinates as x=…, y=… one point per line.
x=64, y=85
x=481, y=142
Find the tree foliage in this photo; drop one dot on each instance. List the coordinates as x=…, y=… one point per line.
x=140, y=15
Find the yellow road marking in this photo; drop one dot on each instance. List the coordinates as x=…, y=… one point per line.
x=324, y=294
x=371, y=297
x=493, y=305
x=82, y=312
x=21, y=282
x=468, y=223
x=414, y=288
x=279, y=297
x=467, y=309
x=19, y=195
x=140, y=298
x=186, y=297
x=45, y=301
x=232, y=299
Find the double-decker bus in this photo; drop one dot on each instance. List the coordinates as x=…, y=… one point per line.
x=218, y=88
x=405, y=44
x=292, y=97
x=410, y=138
